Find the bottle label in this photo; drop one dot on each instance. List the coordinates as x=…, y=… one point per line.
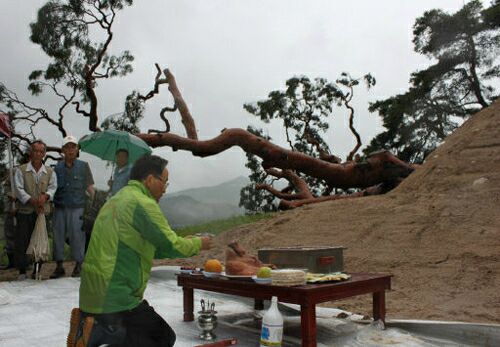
x=271, y=335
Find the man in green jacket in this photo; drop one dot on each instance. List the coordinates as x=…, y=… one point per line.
x=129, y=232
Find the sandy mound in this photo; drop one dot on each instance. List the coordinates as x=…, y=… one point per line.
x=438, y=232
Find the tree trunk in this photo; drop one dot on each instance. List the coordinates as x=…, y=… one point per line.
x=379, y=167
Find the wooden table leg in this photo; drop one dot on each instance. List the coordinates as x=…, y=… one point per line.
x=308, y=325
x=258, y=304
x=188, y=300
x=379, y=305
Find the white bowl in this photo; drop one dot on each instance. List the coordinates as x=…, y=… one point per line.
x=186, y=271
x=262, y=280
x=211, y=274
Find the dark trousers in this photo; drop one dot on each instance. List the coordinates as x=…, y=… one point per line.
x=25, y=226
x=10, y=238
x=139, y=327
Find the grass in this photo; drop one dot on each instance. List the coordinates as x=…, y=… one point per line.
x=219, y=226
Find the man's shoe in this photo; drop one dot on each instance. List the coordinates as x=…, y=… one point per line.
x=77, y=270
x=58, y=272
x=12, y=263
x=74, y=321
x=83, y=337
x=79, y=332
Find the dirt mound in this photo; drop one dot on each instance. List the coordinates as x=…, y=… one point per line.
x=438, y=232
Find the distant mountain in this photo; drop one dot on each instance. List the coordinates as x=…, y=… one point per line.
x=224, y=193
x=200, y=205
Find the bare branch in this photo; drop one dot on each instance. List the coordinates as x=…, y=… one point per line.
x=186, y=118
x=351, y=124
x=374, y=190
x=31, y=111
x=303, y=191
x=156, y=87
x=323, y=154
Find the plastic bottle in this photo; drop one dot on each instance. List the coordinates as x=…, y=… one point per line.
x=272, y=326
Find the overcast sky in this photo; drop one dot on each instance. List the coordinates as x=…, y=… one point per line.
x=226, y=53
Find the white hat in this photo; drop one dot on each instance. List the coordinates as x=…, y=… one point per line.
x=69, y=139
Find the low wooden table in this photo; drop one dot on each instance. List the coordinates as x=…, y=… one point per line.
x=307, y=296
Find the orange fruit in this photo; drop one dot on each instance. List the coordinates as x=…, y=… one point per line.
x=213, y=265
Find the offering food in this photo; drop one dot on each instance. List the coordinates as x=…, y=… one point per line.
x=318, y=278
x=213, y=265
x=288, y=277
x=264, y=272
x=239, y=263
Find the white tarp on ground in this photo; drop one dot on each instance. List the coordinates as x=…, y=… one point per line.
x=34, y=313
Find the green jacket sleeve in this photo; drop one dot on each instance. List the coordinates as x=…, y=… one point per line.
x=153, y=226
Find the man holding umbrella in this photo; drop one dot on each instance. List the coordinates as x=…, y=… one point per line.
x=121, y=174
x=74, y=182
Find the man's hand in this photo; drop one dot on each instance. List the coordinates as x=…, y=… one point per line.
x=41, y=202
x=206, y=242
x=91, y=192
x=40, y=209
x=33, y=202
x=43, y=198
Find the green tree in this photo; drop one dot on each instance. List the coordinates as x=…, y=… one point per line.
x=304, y=109
x=465, y=48
x=76, y=36
x=255, y=200
x=129, y=119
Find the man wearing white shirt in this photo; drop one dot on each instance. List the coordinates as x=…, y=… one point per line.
x=35, y=186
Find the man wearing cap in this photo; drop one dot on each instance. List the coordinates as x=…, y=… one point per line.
x=74, y=182
x=35, y=185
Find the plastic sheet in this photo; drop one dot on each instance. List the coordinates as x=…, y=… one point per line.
x=34, y=313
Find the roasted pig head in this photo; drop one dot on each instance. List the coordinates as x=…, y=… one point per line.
x=238, y=263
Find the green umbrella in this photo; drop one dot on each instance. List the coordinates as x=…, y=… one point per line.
x=104, y=145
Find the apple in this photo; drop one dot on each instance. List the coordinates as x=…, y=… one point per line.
x=264, y=272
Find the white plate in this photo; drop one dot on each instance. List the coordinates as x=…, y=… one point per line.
x=212, y=274
x=262, y=280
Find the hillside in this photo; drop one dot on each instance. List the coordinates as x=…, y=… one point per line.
x=438, y=233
